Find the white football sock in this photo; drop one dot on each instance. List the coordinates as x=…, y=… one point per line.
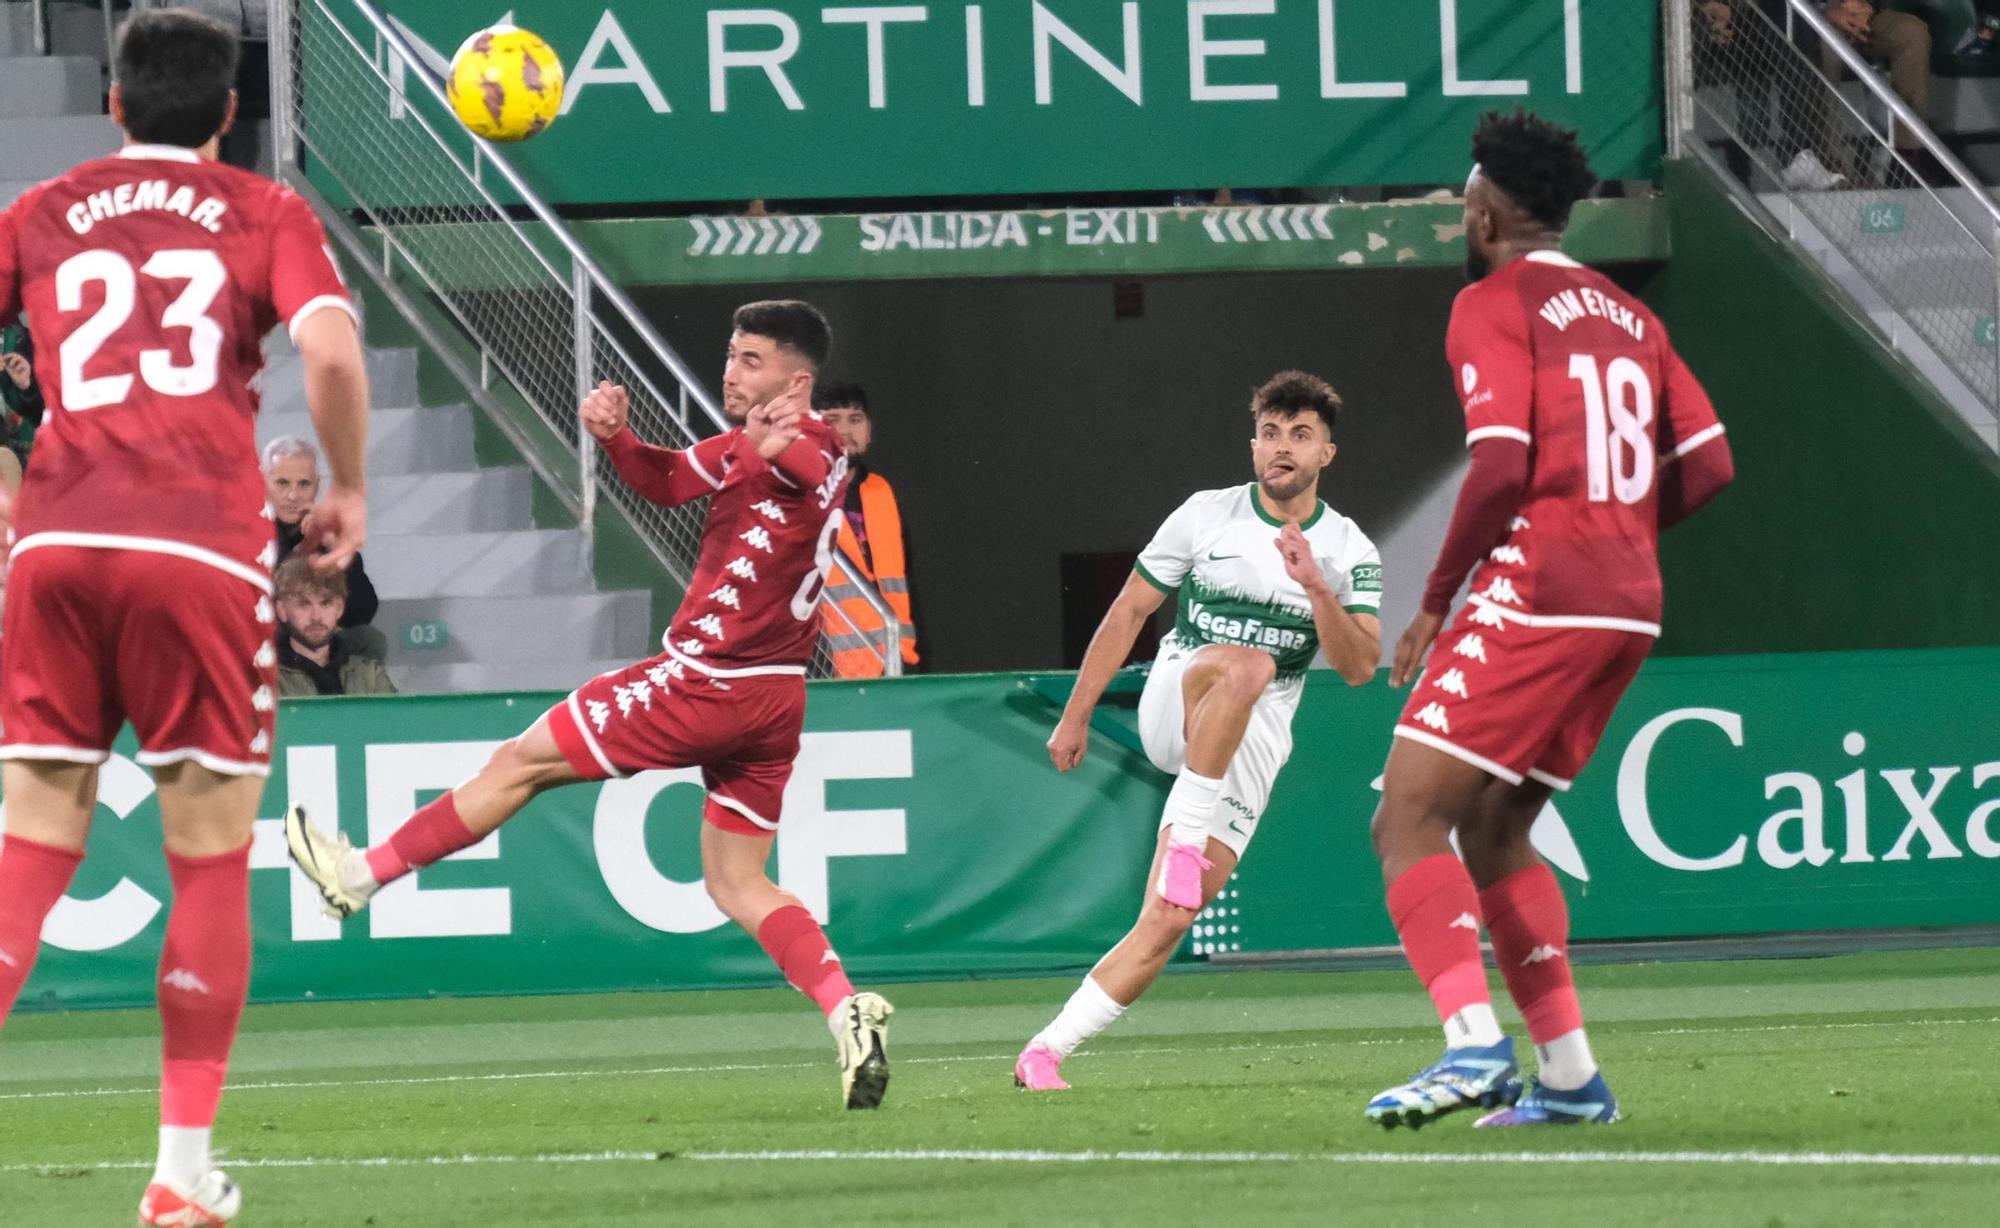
x=1190, y=805
x=184, y=1157
x=355, y=875
x=1566, y=1062
x=1475, y=1025
x=1089, y=1011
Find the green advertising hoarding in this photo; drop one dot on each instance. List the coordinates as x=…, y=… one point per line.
x=709, y=100
x=1733, y=796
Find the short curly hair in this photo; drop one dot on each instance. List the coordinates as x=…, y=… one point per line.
x=1291, y=393
x=1540, y=166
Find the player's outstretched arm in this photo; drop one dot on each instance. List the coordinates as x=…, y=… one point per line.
x=1108, y=650
x=329, y=343
x=1486, y=506
x=660, y=475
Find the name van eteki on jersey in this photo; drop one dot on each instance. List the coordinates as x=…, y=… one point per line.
x=150, y=195
x=1570, y=306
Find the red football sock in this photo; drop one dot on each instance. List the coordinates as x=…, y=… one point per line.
x=204, y=978
x=431, y=834
x=795, y=943
x=1529, y=922
x=32, y=878
x=1436, y=911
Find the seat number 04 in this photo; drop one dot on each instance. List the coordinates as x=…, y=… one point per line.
x=1618, y=428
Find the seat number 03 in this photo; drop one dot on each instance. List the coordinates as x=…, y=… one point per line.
x=205, y=276
x=1618, y=428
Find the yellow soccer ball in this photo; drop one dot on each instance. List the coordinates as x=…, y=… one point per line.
x=506, y=84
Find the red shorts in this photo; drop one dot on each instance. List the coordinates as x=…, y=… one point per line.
x=743, y=733
x=1520, y=701
x=94, y=638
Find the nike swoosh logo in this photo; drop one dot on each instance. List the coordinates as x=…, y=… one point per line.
x=1222, y=558
x=1235, y=825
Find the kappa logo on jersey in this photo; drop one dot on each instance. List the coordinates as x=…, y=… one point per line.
x=185, y=981
x=661, y=675
x=727, y=595
x=690, y=648
x=1502, y=589
x=759, y=538
x=1487, y=616
x=600, y=714
x=266, y=657
x=625, y=696
x=266, y=613
x=1433, y=715
x=769, y=511
x=1465, y=921
x=743, y=569
x=1542, y=955
x=710, y=626
x=269, y=557
x=261, y=744
x=1519, y=523
x=1509, y=554
x=1453, y=683
x=262, y=700
x=829, y=958
x=1473, y=646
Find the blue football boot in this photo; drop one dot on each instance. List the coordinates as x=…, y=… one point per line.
x=1541, y=1105
x=1465, y=1078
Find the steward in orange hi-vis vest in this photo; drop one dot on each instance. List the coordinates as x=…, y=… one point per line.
x=871, y=534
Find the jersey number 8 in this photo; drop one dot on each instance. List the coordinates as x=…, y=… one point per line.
x=1618, y=444
x=205, y=276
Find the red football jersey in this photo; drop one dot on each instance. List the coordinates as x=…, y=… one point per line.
x=1555, y=355
x=753, y=607
x=150, y=280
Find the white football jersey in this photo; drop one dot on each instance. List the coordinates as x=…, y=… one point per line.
x=1219, y=553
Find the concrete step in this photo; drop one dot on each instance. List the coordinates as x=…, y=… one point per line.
x=33, y=86
x=525, y=563
x=38, y=149
x=437, y=631
x=74, y=29
x=475, y=501
x=558, y=677
x=437, y=439
x=392, y=380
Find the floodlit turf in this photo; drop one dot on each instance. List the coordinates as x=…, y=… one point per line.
x=1802, y=1092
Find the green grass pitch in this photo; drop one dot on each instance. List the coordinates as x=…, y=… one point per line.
x=1853, y=1091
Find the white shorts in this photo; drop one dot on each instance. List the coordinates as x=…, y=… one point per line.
x=1267, y=743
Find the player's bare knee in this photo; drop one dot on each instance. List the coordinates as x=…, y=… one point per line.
x=1162, y=926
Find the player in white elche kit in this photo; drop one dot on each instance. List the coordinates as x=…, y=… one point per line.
x=1267, y=577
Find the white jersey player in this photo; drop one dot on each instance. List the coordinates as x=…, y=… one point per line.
x=1267, y=578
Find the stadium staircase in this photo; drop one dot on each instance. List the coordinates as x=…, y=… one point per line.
x=51, y=107
x=1910, y=241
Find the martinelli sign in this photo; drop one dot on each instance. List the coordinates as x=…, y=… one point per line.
x=788, y=99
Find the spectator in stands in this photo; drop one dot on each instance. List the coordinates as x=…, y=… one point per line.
x=871, y=533
x=313, y=658
x=1981, y=44
x=291, y=483
x=21, y=400
x=1901, y=44
x=1739, y=48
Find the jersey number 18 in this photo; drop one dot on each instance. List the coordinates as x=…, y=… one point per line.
x=1618, y=426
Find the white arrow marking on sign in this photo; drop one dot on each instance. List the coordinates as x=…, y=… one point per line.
x=748, y=230
x=1319, y=222
x=812, y=236
x=793, y=232
x=1255, y=221
x=1279, y=218
x=1550, y=836
x=769, y=229
x=1233, y=222
x=702, y=236
x=1213, y=224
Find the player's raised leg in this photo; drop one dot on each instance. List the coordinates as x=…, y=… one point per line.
x=1528, y=921
x=1125, y=972
x=347, y=877
x=1219, y=691
x=1435, y=907
x=734, y=863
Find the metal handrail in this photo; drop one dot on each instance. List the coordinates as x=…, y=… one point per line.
x=586, y=276
x=1873, y=83
x=38, y=12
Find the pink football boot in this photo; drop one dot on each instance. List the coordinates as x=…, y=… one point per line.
x=1039, y=1069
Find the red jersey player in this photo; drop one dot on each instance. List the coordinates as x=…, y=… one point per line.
x=727, y=694
x=1588, y=436
x=141, y=562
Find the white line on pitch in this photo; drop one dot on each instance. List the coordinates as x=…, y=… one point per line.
x=751, y=1067
x=1777, y=1159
